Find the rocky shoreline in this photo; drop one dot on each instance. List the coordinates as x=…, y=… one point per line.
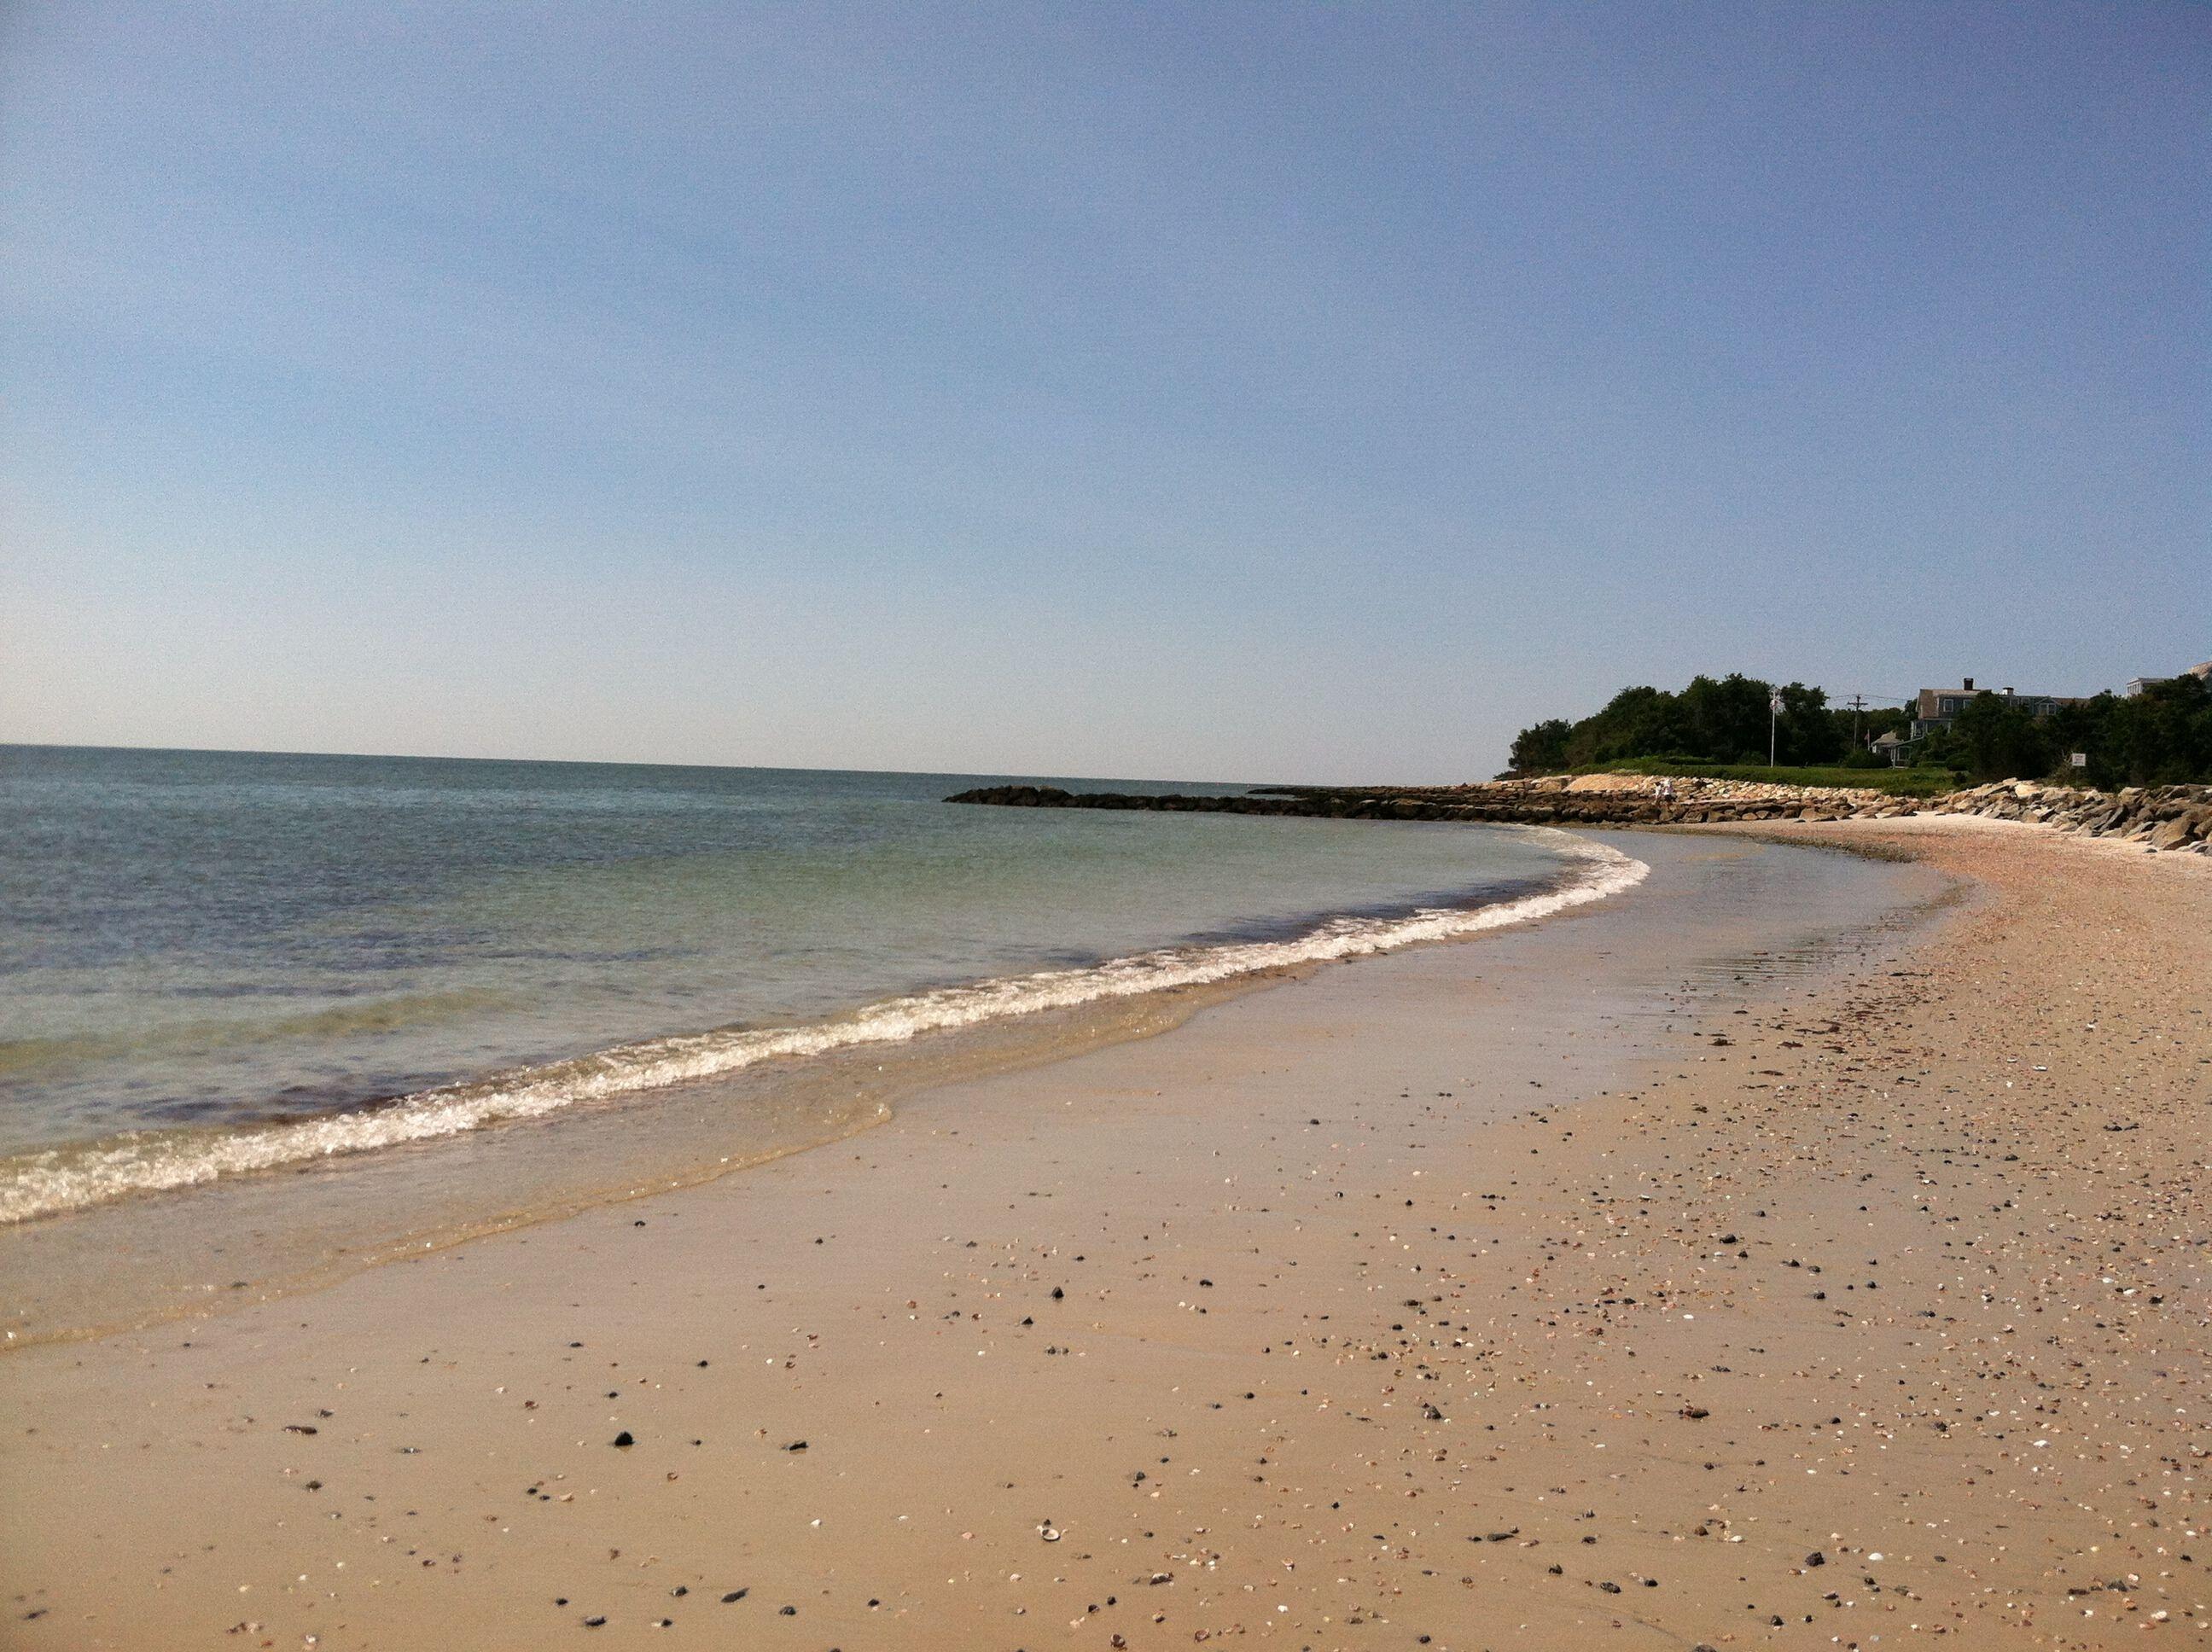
x=2164, y=818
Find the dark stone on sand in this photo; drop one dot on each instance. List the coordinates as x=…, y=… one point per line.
x=624, y=1440
x=1816, y=1559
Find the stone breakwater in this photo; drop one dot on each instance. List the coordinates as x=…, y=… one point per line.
x=2165, y=817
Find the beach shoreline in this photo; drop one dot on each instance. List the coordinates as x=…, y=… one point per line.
x=1393, y=1349
x=217, y=1224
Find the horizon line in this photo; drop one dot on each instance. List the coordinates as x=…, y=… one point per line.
x=607, y=762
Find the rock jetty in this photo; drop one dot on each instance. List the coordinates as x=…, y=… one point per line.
x=2159, y=816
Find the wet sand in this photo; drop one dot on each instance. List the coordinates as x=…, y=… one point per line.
x=1604, y=1280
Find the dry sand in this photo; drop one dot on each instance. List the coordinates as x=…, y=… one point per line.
x=1875, y=1313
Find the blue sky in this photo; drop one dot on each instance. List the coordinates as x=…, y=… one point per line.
x=1219, y=391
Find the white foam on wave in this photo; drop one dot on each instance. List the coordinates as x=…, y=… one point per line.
x=70, y=1178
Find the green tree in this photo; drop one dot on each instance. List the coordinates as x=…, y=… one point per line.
x=1993, y=738
x=1635, y=723
x=1541, y=748
x=1805, y=733
x=2162, y=736
x=1727, y=718
x=2159, y=737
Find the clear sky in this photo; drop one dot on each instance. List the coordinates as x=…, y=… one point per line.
x=1252, y=392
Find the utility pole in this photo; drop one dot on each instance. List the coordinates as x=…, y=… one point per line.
x=1858, y=706
x=1773, y=715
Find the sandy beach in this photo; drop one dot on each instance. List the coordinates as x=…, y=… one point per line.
x=1329, y=828
x=1616, y=1279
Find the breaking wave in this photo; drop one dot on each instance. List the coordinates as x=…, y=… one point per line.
x=142, y=1161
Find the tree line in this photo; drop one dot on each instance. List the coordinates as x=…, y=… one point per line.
x=2159, y=737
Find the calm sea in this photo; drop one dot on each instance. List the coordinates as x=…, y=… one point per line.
x=217, y=963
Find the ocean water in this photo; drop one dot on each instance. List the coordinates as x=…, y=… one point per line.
x=214, y=965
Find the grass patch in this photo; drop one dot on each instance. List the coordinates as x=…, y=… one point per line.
x=1897, y=782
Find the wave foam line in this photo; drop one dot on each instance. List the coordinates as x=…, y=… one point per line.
x=70, y=1179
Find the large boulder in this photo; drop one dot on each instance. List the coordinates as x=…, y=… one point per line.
x=2174, y=833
